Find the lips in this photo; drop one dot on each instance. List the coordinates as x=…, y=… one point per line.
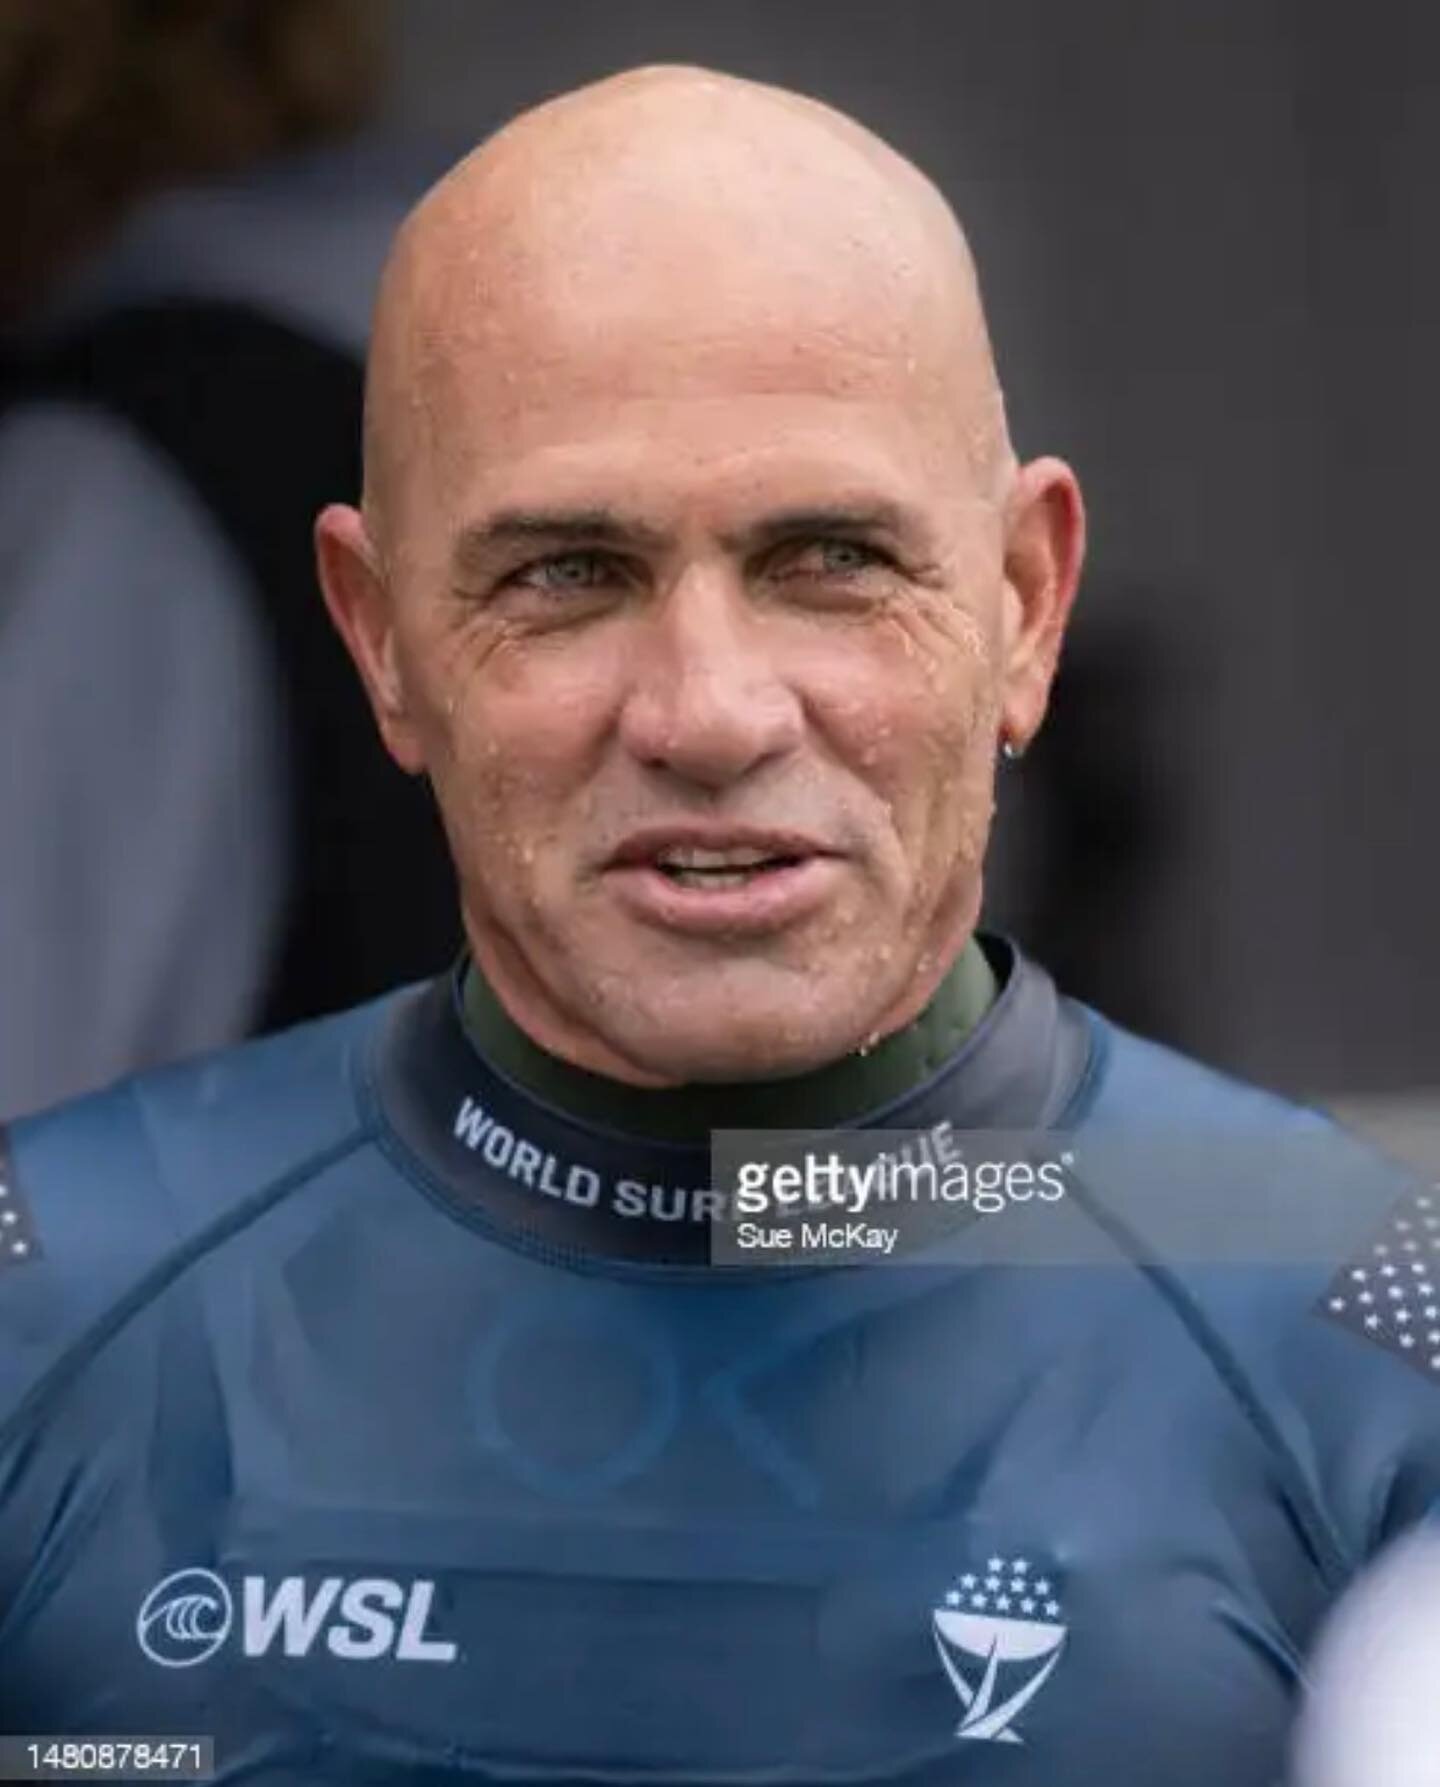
x=735, y=881
x=714, y=850
x=689, y=867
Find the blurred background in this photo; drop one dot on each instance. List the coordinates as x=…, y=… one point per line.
x=1205, y=230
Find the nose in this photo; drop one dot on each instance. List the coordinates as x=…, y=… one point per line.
x=707, y=700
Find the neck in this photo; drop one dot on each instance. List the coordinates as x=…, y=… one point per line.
x=838, y=1092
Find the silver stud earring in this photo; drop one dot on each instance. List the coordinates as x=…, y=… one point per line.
x=1010, y=751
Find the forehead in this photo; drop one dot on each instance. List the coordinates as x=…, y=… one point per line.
x=524, y=406
x=664, y=471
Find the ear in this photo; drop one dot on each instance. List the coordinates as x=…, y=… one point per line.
x=1044, y=550
x=353, y=582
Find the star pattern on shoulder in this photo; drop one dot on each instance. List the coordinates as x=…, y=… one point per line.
x=1395, y=1306
x=18, y=1243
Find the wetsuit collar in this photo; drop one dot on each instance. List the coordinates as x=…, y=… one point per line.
x=831, y=1095
x=515, y=1163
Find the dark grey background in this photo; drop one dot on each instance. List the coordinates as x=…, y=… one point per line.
x=1206, y=230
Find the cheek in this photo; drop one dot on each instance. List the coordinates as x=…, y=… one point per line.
x=915, y=717
x=512, y=733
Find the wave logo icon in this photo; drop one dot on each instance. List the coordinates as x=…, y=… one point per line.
x=999, y=1635
x=185, y=1619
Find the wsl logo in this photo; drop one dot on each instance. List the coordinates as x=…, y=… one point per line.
x=185, y=1619
x=188, y=1617
x=999, y=1636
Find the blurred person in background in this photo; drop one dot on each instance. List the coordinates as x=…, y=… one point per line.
x=193, y=223
x=1371, y=1715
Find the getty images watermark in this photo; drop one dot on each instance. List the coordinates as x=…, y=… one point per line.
x=1294, y=1195
x=800, y=1197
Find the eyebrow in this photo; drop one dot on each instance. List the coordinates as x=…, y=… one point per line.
x=479, y=541
x=878, y=516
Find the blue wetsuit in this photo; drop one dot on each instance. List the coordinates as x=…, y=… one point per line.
x=361, y=1410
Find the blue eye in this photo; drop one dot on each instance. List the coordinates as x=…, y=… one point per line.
x=562, y=572
x=852, y=555
x=835, y=558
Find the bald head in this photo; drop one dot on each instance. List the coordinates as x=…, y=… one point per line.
x=672, y=224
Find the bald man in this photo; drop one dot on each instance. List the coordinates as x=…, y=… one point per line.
x=742, y=1325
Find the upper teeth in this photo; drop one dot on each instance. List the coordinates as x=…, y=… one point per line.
x=741, y=856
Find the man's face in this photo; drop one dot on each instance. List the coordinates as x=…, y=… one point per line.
x=698, y=612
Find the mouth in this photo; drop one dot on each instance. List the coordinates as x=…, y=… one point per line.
x=755, y=883
x=723, y=868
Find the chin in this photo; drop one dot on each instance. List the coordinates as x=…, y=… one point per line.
x=767, y=1045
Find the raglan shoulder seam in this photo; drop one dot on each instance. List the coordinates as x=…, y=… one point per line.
x=1330, y=1551
x=173, y=1263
